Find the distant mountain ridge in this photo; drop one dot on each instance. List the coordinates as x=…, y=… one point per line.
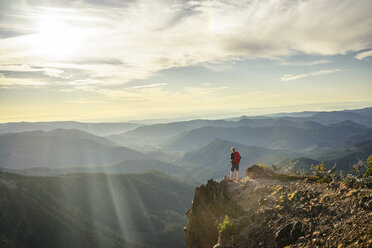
x=94, y=128
x=282, y=137
x=159, y=133
x=363, y=111
x=165, y=135
x=60, y=148
x=68, y=134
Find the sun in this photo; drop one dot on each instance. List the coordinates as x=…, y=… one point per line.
x=58, y=39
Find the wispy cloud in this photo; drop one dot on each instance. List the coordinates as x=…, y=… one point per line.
x=6, y=82
x=148, y=86
x=364, y=55
x=298, y=76
x=217, y=66
x=305, y=63
x=24, y=69
x=85, y=101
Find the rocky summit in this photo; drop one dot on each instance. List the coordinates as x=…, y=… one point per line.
x=266, y=212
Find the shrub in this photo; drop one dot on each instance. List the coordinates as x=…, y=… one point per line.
x=227, y=228
x=322, y=167
x=368, y=172
x=318, y=169
x=263, y=165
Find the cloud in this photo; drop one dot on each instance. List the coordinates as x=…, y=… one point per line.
x=24, y=70
x=9, y=83
x=317, y=73
x=117, y=42
x=148, y=86
x=217, y=67
x=84, y=101
x=364, y=55
x=305, y=63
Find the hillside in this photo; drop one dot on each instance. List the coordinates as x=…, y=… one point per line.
x=301, y=164
x=269, y=213
x=95, y=210
x=122, y=167
x=60, y=148
x=344, y=158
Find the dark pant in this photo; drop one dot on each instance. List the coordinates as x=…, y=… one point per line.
x=234, y=166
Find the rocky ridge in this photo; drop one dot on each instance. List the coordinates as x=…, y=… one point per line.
x=264, y=212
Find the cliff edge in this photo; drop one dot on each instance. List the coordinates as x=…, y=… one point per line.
x=269, y=213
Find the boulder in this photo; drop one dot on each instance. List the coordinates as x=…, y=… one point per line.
x=256, y=171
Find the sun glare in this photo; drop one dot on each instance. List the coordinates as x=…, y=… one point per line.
x=57, y=39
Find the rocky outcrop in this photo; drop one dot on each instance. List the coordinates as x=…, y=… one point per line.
x=211, y=203
x=270, y=213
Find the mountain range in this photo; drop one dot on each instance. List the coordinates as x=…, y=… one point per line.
x=94, y=128
x=195, y=148
x=280, y=137
x=157, y=134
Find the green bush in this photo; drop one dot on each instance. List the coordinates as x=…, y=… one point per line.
x=227, y=227
x=368, y=172
x=263, y=165
x=318, y=169
x=322, y=167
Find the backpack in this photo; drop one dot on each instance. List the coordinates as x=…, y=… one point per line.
x=236, y=158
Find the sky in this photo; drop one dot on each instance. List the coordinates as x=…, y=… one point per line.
x=111, y=60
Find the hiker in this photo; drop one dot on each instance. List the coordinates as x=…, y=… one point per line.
x=235, y=160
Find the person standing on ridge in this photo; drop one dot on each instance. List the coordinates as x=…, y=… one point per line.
x=235, y=160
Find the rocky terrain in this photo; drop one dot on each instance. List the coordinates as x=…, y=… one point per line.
x=266, y=212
